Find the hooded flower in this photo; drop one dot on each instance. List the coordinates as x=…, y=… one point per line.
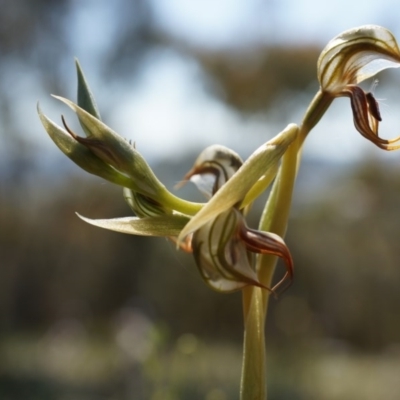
x=223, y=247
x=350, y=58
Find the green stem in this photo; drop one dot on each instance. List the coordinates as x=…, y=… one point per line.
x=317, y=108
x=178, y=204
x=253, y=385
x=276, y=213
x=274, y=219
x=255, y=300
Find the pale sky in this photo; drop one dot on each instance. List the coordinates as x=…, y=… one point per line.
x=218, y=23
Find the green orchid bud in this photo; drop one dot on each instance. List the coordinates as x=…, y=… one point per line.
x=116, y=151
x=106, y=148
x=350, y=58
x=81, y=155
x=106, y=154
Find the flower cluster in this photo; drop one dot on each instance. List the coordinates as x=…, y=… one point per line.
x=224, y=247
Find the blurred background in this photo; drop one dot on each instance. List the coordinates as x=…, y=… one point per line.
x=87, y=314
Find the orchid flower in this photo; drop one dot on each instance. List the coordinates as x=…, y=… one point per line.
x=223, y=246
x=350, y=58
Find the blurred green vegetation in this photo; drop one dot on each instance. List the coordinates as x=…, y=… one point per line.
x=90, y=314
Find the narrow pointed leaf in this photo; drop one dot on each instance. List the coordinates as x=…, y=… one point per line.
x=163, y=225
x=234, y=191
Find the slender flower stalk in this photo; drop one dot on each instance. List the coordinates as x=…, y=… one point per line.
x=255, y=302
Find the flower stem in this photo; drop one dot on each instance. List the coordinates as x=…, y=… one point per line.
x=274, y=219
x=317, y=108
x=255, y=300
x=178, y=204
x=253, y=380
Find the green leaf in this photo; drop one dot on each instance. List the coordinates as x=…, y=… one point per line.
x=234, y=191
x=85, y=96
x=163, y=225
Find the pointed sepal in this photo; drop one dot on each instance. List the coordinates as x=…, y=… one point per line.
x=163, y=225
